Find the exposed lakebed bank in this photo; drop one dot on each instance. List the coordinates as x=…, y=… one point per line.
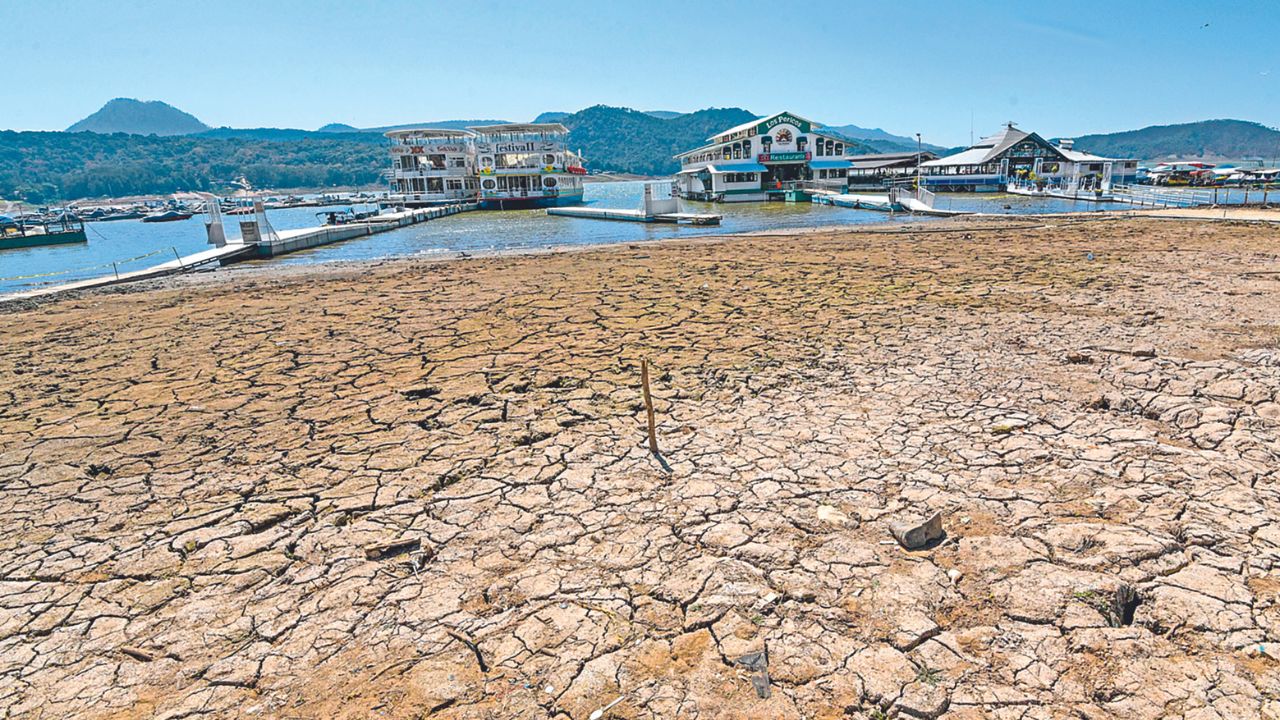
x=423, y=485
x=133, y=245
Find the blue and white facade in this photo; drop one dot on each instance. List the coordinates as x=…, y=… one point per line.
x=760, y=159
x=1014, y=155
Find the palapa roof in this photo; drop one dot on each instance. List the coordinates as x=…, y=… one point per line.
x=989, y=148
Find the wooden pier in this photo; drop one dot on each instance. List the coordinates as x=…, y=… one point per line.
x=637, y=215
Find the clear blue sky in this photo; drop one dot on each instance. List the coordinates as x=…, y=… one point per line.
x=1058, y=68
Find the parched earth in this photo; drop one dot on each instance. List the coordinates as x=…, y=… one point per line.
x=424, y=490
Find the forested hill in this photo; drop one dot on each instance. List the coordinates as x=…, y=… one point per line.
x=1208, y=139
x=45, y=166
x=140, y=118
x=624, y=140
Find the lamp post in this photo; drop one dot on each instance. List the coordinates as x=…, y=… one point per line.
x=918, y=154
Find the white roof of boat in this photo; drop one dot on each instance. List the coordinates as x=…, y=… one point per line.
x=519, y=128
x=428, y=132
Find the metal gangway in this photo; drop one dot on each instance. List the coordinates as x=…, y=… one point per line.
x=912, y=197
x=1153, y=196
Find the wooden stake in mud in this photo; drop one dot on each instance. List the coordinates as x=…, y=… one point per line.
x=648, y=407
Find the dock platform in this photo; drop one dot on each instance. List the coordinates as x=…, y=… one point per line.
x=287, y=241
x=281, y=243
x=637, y=215
x=856, y=201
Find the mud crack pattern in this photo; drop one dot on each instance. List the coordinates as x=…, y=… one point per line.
x=423, y=490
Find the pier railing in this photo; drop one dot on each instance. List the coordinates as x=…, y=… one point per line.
x=1151, y=196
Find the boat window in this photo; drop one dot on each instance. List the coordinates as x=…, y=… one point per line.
x=548, y=159
x=489, y=184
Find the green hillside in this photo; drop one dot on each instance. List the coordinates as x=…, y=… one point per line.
x=47, y=166
x=1208, y=139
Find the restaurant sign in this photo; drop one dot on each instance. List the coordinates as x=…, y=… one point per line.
x=425, y=149
x=783, y=119
x=783, y=157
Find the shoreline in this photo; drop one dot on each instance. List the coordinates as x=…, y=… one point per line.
x=1262, y=215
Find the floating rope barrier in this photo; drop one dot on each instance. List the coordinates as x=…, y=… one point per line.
x=84, y=269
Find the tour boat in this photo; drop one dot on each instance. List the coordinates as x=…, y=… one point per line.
x=527, y=165
x=432, y=166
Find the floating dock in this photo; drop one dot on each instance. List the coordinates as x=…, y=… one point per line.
x=637, y=215
x=287, y=241
x=273, y=244
x=857, y=202
x=660, y=205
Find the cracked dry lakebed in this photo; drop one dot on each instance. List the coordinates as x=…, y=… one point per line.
x=423, y=488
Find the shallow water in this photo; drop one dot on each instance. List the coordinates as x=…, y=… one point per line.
x=132, y=244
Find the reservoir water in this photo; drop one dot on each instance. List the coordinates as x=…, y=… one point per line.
x=133, y=245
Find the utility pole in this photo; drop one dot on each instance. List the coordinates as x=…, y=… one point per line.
x=918, y=155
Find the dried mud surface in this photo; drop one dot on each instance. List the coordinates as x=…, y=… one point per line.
x=423, y=490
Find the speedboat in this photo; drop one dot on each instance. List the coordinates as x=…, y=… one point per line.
x=167, y=216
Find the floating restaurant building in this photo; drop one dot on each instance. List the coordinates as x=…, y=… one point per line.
x=758, y=160
x=1013, y=155
x=500, y=166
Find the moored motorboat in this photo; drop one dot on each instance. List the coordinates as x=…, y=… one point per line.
x=167, y=216
x=65, y=229
x=126, y=215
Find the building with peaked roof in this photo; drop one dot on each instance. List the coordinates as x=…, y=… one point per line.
x=1013, y=154
x=759, y=160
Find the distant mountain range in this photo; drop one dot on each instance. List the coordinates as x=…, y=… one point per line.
x=136, y=117
x=1205, y=140
x=883, y=141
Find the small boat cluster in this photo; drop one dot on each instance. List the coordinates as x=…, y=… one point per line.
x=1201, y=174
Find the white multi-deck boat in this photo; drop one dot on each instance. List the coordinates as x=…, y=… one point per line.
x=432, y=166
x=526, y=165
